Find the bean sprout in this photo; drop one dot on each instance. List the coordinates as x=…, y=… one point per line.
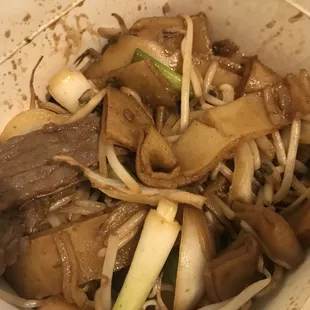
x=228, y=92
x=17, y=301
x=131, y=224
x=187, y=67
x=279, y=146
x=137, y=97
x=268, y=193
x=266, y=147
x=103, y=298
x=255, y=153
x=209, y=77
x=88, y=108
x=290, y=164
x=120, y=171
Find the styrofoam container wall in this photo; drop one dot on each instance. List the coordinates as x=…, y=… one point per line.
x=274, y=30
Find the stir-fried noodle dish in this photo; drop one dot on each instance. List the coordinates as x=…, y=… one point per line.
x=165, y=171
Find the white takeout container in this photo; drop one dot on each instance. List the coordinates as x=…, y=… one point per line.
x=273, y=29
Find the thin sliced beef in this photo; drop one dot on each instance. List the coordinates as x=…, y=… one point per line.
x=27, y=169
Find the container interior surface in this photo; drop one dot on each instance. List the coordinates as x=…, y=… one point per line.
x=276, y=30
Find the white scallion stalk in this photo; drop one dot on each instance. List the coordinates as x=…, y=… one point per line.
x=228, y=92
x=241, y=187
x=192, y=260
x=157, y=239
x=256, y=155
x=186, y=69
x=290, y=163
x=67, y=87
x=120, y=171
x=279, y=146
x=89, y=107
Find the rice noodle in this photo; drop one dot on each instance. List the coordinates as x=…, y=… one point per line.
x=290, y=164
x=60, y=203
x=266, y=147
x=103, y=297
x=255, y=153
x=120, y=171
x=186, y=69
x=17, y=301
x=53, y=220
x=209, y=77
x=268, y=193
x=279, y=146
x=136, y=96
x=88, y=108
x=228, y=92
x=131, y=224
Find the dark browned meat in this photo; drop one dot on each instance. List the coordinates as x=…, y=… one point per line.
x=26, y=166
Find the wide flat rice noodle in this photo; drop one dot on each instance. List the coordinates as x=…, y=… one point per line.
x=119, y=128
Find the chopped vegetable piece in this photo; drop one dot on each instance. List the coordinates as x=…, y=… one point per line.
x=157, y=239
x=174, y=78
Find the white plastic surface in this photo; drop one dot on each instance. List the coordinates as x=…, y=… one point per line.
x=272, y=29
